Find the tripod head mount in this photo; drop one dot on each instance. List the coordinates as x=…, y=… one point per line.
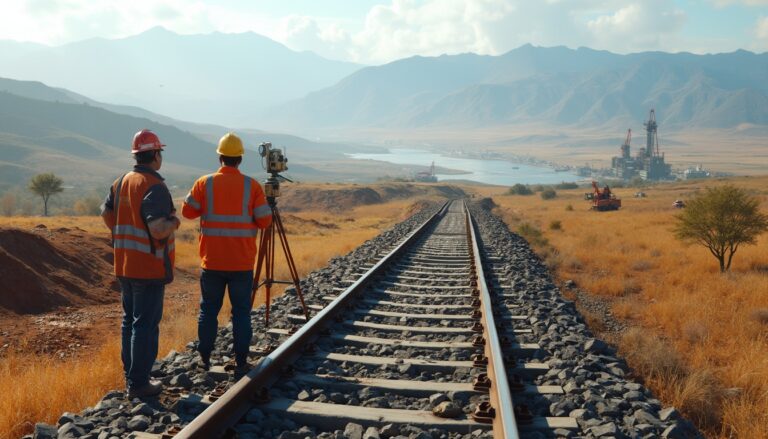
x=272, y=187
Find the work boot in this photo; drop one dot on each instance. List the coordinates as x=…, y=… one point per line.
x=241, y=370
x=205, y=361
x=152, y=388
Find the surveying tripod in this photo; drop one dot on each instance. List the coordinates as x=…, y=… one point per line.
x=266, y=255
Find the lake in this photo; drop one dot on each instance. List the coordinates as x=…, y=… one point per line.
x=498, y=172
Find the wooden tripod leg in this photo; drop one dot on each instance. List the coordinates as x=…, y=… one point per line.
x=269, y=267
x=278, y=222
x=259, y=263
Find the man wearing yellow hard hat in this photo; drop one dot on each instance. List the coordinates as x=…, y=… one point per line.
x=231, y=207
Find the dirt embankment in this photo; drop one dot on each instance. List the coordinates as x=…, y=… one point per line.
x=45, y=269
x=341, y=198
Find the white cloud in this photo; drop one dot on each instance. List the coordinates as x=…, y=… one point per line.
x=389, y=31
x=61, y=21
x=723, y=3
x=432, y=27
x=761, y=34
x=646, y=24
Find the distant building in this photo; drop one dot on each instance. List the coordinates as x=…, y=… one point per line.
x=427, y=176
x=649, y=163
x=697, y=172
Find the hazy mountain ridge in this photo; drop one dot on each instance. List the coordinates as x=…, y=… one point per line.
x=556, y=85
x=86, y=141
x=213, y=78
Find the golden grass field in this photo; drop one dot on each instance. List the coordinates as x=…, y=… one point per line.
x=39, y=389
x=699, y=338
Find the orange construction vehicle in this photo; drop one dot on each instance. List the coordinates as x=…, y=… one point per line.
x=605, y=199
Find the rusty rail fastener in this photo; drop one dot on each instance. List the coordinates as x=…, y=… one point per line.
x=216, y=393
x=477, y=327
x=484, y=413
x=482, y=383
x=478, y=341
x=476, y=314
x=170, y=432
x=516, y=383
x=523, y=415
x=479, y=360
x=261, y=396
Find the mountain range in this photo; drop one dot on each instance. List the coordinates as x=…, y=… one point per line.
x=247, y=80
x=45, y=129
x=210, y=78
x=557, y=86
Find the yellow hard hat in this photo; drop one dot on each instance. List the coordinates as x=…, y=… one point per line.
x=231, y=146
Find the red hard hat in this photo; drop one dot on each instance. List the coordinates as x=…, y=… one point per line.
x=146, y=140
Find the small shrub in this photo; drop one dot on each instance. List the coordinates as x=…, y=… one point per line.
x=630, y=286
x=569, y=208
x=555, y=225
x=532, y=234
x=760, y=316
x=548, y=194
x=520, y=189
x=641, y=265
x=566, y=185
x=695, y=332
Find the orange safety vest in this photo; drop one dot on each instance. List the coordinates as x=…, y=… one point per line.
x=232, y=207
x=137, y=254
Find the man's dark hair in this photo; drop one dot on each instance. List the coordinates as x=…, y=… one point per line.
x=145, y=157
x=231, y=161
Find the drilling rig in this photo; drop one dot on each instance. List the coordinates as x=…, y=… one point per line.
x=649, y=162
x=654, y=167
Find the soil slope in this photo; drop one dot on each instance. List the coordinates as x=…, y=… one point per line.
x=43, y=269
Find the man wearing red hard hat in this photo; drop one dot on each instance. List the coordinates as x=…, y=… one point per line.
x=139, y=212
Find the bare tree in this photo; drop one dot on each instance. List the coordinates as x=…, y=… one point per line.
x=45, y=185
x=721, y=219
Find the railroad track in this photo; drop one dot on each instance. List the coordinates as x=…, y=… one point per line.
x=397, y=328
x=418, y=340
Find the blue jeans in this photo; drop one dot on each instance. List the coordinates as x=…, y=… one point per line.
x=142, y=311
x=212, y=285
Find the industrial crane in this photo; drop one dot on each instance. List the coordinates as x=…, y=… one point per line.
x=625, y=145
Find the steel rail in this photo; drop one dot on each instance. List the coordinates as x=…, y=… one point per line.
x=504, y=423
x=227, y=410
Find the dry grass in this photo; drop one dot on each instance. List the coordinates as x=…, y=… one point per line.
x=39, y=389
x=715, y=325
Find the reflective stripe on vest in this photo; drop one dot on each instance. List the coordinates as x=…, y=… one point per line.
x=243, y=218
x=123, y=229
x=137, y=255
x=230, y=233
x=129, y=244
x=191, y=201
x=261, y=211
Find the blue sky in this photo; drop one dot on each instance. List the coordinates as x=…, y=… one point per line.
x=375, y=32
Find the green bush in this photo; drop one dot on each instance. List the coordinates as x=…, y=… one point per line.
x=548, y=194
x=565, y=185
x=532, y=234
x=520, y=189
x=555, y=225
